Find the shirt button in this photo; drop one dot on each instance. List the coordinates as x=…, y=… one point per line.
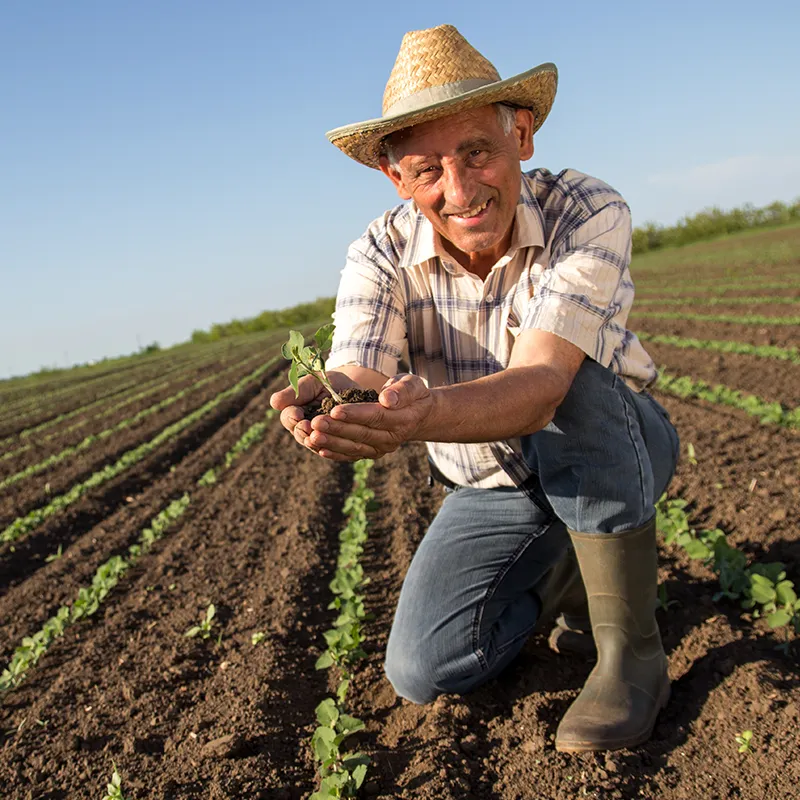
x=489, y=297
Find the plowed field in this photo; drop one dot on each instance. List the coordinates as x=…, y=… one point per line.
x=225, y=718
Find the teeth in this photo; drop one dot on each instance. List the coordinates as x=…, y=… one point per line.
x=474, y=212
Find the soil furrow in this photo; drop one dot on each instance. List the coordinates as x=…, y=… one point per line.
x=776, y=381
x=28, y=603
x=67, y=526
x=778, y=335
x=20, y=498
x=263, y=554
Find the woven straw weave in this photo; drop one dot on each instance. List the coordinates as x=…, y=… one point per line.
x=434, y=57
x=440, y=57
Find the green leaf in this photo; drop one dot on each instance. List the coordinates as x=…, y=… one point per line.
x=296, y=340
x=322, y=742
x=324, y=336
x=786, y=594
x=327, y=713
x=293, y=378
x=286, y=351
x=762, y=589
x=359, y=773
x=779, y=618
x=347, y=724
x=324, y=661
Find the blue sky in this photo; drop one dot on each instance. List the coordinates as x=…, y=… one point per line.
x=164, y=164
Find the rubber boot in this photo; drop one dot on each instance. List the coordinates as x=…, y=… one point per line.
x=628, y=686
x=564, y=592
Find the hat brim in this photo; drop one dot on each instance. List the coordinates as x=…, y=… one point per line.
x=534, y=89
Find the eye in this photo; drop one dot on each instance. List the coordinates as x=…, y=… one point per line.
x=475, y=153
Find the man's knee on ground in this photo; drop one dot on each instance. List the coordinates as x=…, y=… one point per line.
x=416, y=677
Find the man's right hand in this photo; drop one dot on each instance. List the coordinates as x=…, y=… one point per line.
x=293, y=417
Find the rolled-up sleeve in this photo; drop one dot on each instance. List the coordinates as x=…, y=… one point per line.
x=370, y=314
x=585, y=295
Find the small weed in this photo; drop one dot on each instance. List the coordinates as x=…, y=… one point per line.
x=744, y=740
x=54, y=556
x=258, y=637
x=203, y=630
x=691, y=454
x=114, y=789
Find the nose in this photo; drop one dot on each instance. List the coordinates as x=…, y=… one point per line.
x=459, y=187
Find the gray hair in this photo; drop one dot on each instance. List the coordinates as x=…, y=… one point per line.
x=506, y=116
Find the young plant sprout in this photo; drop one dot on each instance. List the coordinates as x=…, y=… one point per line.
x=203, y=630
x=744, y=740
x=114, y=789
x=309, y=360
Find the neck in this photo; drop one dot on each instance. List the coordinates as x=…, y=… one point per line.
x=480, y=262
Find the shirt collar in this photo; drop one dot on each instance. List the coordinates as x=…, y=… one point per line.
x=424, y=243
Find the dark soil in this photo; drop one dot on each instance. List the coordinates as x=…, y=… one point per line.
x=769, y=379
x=37, y=490
x=347, y=395
x=778, y=335
x=186, y=718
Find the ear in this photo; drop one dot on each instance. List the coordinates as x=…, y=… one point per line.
x=523, y=131
x=394, y=175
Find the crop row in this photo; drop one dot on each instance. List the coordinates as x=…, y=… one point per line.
x=89, y=598
x=342, y=773
x=740, y=319
x=24, y=525
x=791, y=354
x=88, y=441
x=718, y=288
x=126, y=393
x=720, y=301
x=111, y=379
x=762, y=589
x=768, y=413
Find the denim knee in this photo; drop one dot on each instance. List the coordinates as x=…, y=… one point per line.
x=417, y=675
x=409, y=678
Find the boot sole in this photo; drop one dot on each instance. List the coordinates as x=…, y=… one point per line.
x=617, y=744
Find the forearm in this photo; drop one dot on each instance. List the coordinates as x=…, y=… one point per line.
x=511, y=403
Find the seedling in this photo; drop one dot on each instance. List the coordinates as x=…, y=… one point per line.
x=54, y=556
x=203, y=630
x=309, y=360
x=744, y=740
x=691, y=454
x=258, y=637
x=114, y=789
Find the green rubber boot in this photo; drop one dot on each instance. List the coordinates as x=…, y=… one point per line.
x=564, y=594
x=628, y=686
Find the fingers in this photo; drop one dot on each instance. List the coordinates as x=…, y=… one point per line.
x=353, y=441
x=308, y=389
x=401, y=391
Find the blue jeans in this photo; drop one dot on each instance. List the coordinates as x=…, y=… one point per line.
x=471, y=596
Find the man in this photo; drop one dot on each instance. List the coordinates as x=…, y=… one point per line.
x=508, y=295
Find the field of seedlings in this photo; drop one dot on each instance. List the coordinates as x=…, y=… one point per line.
x=192, y=606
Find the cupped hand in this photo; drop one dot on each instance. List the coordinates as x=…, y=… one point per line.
x=372, y=430
x=293, y=416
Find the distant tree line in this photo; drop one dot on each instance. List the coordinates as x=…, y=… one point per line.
x=713, y=222
x=286, y=318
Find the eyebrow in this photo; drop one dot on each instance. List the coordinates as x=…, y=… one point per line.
x=480, y=142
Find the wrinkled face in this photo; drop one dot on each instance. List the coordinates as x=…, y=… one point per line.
x=463, y=172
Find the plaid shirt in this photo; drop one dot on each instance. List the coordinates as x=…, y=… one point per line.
x=402, y=296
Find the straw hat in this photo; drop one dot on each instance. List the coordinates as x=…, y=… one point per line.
x=438, y=72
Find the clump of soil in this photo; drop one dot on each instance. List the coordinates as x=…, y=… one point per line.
x=348, y=395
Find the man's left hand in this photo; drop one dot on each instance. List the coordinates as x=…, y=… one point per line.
x=371, y=430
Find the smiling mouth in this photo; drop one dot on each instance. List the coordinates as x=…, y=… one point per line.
x=471, y=213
